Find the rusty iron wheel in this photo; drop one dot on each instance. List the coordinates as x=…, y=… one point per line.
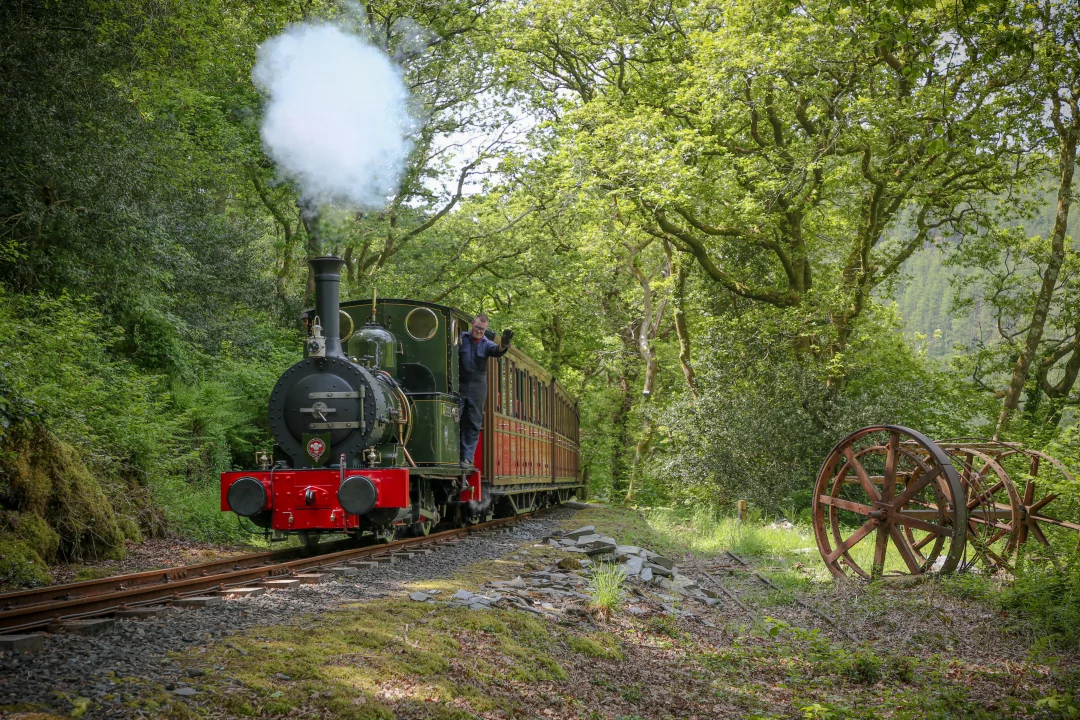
x=993, y=505
x=1046, y=479
x=889, y=485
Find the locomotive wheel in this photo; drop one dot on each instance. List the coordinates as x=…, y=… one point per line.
x=888, y=485
x=309, y=539
x=422, y=529
x=995, y=514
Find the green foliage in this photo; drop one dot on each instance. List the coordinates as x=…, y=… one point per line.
x=1060, y=705
x=765, y=416
x=48, y=480
x=860, y=665
x=126, y=453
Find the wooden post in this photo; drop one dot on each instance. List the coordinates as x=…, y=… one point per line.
x=742, y=511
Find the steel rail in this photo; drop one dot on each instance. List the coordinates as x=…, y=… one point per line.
x=117, y=583
x=44, y=613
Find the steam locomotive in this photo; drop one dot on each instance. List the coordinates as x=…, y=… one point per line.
x=366, y=428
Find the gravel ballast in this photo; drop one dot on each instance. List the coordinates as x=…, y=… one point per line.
x=73, y=669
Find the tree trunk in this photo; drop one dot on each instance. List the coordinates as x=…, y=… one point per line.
x=682, y=332
x=1066, y=167
x=641, y=449
x=621, y=469
x=552, y=337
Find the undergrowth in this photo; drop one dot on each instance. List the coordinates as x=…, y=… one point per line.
x=1044, y=598
x=97, y=450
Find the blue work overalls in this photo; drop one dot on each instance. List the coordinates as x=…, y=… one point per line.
x=473, y=388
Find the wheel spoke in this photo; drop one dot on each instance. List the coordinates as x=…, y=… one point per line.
x=861, y=473
x=1054, y=521
x=851, y=540
x=845, y=504
x=913, y=488
x=922, y=543
x=965, y=475
x=888, y=489
x=901, y=519
x=983, y=497
x=1038, y=533
x=905, y=549
x=976, y=520
x=1041, y=504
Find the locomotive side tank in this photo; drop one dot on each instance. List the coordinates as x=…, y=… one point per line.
x=366, y=428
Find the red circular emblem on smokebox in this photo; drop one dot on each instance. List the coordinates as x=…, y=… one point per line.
x=316, y=448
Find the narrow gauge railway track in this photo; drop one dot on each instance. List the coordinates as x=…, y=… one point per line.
x=32, y=609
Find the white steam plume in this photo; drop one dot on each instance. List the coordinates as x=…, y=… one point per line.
x=337, y=120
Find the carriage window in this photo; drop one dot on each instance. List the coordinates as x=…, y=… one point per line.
x=514, y=392
x=511, y=375
x=547, y=406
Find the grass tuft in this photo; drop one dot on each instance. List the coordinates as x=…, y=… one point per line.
x=606, y=588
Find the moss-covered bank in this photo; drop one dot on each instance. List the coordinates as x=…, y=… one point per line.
x=54, y=506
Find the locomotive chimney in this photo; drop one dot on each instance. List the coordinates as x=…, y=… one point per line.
x=327, y=271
